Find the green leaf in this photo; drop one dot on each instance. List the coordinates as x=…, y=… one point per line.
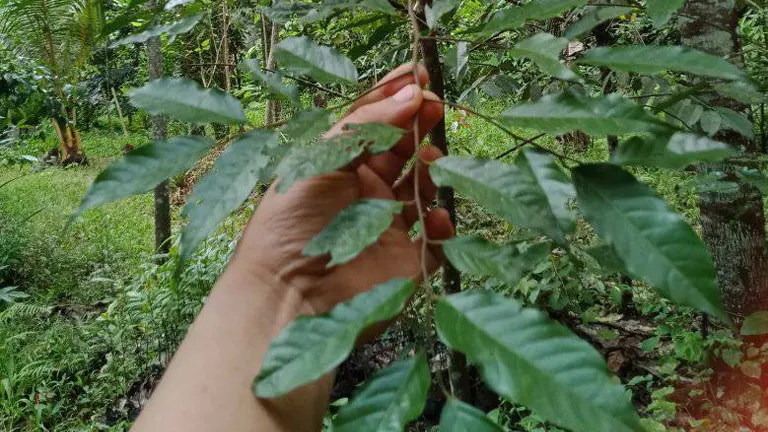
x=508, y=263
x=329, y=155
x=324, y=64
x=282, y=12
x=565, y=112
x=458, y=416
x=353, y=230
x=226, y=186
x=515, y=17
x=736, y=121
x=173, y=3
x=605, y=255
x=378, y=137
x=312, y=346
x=528, y=194
x=456, y=59
x=654, y=242
x=754, y=177
x=660, y=11
x=144, y=168
x=710, y=122
x=545, y=49
x=307, y=125
x=172, y=30
x=186, y=100
x=392, y=397
x=531, y=360
x=594, y=17
x=742, y=91
x=378, y=6
x=433, y=12
x=273, y=81
x=652, y=59
x=675, y=152
x=755, y=324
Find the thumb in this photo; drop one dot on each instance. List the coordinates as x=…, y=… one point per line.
x=396, y=110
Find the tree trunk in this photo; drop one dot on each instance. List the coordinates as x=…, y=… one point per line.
x=459, y=373
x=274, y=107
x=159, y=133
x=733, y=222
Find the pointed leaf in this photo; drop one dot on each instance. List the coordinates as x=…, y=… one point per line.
x=524, y=356
x=652, y=59
x=273, y=81
x=565, y=112
x=545, y=49
x=173, y=3
x=324, y=64
x=226, y=187
x=515, y=17
x=477, y=256
x=654, y=242
x=458, y=416
x=353, y=230
x=392, y=397
x=755, y=324
x=675, y=152
x=378, y=6
x=661, y=11
x=594, y=17
x=456, y=59
x=742, y=91
x=307, y=125
x=736, y=121
x=710, y=122
x=144, y=168
x=312, y=346
x=186, y=100
x=329, y=155
x=180, y=27
x=512, y=192
x=437, y=9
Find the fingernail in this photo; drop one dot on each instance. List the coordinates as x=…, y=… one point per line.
x=405, y=94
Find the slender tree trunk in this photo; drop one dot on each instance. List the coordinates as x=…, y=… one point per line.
x=274, y=107
x=733, y=222
x=459, y=373
x=159, y=133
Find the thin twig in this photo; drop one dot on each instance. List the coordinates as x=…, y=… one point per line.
x=519, y=146
x=12, y=180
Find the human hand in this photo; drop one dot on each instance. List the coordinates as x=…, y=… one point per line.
x=284, y=224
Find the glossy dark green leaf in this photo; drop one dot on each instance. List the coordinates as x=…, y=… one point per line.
x=755, y=324
x=742, y=91
x=273, y=81
x=456, y=59
x=736, y=121
x=174, y=3
x=458, y=416
x=530, y=194
x=654, y=242
x=565, y=112
x=353, y=230
x=307, y=125
x=545, y=49
x=652, y=59
x=172, y=30
x=378, y=6
x=515, y=17
x=392, y=397
x=282, y=12
x=477, y=256
x=144, y=168
x=329, y=155
x=186, y=100
x=324, y=64
x=660, y=11
x=533, y=361
x=675, y=152
x=710, y=122
x=312, y=346
x=437, y=9
x=605, y=255
x=232, y=178
x=594, y=17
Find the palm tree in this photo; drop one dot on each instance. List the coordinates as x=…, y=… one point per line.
x=60, y=35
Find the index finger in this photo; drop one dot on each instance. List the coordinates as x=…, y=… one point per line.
x=391, y=84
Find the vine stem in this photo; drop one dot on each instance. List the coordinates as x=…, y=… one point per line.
x=416, y=148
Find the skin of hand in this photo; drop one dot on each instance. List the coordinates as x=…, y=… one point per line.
x=269, y=282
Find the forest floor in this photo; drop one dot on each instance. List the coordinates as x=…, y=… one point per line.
x=98, y=322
